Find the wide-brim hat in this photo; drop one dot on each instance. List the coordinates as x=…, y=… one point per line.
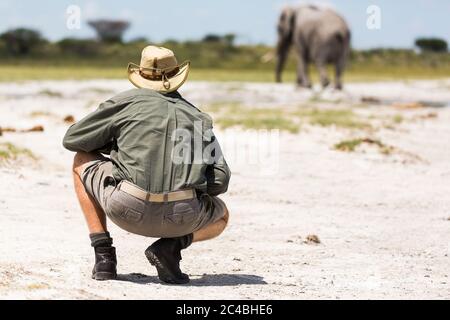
x=159, y=70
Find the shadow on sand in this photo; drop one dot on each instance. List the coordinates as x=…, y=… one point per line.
x=204, y=280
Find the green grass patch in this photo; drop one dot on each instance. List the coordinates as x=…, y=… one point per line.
x=9, y=151
x=251, y=118
x=236, y=115
x=279, y=123
x=50, y=93
x=352, y=144
x=397, y=119
x=343, y=118
x=39, y=72
x=217, y=61
x=369, y=73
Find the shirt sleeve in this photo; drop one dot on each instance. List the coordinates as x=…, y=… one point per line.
x=218, y=178
x=93, y=132
x=218, y=174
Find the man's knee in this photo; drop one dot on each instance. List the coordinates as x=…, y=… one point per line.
x=223, y=222
x=226, y=215
x=81, y=158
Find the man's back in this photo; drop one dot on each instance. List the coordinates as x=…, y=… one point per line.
x=140, y=128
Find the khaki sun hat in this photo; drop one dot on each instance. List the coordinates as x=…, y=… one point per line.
x=159, y=70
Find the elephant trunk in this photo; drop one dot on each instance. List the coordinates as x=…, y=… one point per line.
x=282, y=53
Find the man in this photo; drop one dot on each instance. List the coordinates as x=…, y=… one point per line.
x=153, y=183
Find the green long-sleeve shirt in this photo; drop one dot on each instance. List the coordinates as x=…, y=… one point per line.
x=154, y=141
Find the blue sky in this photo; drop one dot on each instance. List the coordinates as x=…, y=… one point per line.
x=252, y=20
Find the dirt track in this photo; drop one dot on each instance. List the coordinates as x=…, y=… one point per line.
x=383, y=220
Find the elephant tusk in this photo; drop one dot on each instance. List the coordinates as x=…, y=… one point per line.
x=268, y=57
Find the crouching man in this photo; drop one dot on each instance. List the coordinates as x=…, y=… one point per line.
x=153, y=183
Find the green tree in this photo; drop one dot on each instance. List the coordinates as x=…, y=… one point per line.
x=212, y=38
x=109, y=30
x=21, y=41
x=432, y=44
x=229, y=39
x=138, y=40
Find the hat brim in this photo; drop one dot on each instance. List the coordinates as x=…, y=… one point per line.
x=175, y=82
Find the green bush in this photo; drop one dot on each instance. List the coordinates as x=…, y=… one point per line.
x=432, y=45
x=227, y=39
x=21, y=41
x=79, y=47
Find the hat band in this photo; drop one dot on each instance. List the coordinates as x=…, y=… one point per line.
x=157, y=77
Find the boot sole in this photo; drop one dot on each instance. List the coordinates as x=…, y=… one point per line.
x=163, y=274
x=102, y=276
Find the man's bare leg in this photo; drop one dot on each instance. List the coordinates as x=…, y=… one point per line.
x=94, y=215
x=105, y=254
x=212, y=230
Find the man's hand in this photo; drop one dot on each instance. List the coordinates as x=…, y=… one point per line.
x=108, y=147
x=217, y=179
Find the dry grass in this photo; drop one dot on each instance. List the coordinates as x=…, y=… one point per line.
x=38, y=114
x=37, y=286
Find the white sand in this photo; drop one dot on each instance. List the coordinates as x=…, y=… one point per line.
x=382, y=220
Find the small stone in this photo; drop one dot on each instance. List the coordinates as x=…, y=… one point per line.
x=312, y=239
x=37, y=128
x=69, y=119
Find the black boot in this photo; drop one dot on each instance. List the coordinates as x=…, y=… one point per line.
x=105, y=267
x=105, y=264
x=165, y=255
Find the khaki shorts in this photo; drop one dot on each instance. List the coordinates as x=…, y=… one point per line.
x=150, y=219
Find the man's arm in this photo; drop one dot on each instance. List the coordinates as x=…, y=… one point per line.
x=218, y=177
x=93, y=132
x=218, y=173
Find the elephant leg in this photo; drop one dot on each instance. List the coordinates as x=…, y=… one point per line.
x=322, y=68
x=303, y=73
x=282, y=53
x=339, y=68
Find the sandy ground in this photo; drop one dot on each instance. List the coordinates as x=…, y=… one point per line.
x=383, y=220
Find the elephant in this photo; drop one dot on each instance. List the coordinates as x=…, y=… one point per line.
x=318, y=35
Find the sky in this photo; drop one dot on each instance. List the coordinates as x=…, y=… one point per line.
x=253, y=21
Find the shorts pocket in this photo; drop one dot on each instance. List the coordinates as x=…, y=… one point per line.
x=131, y=215
x=125, y=207
x=185, y=212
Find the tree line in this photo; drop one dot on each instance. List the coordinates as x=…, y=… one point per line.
x=211, y=51
x=24, y=41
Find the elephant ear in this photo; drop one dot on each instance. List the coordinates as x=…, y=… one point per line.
x=286, y=22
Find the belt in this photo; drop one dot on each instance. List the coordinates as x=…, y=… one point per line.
x=139, y=193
